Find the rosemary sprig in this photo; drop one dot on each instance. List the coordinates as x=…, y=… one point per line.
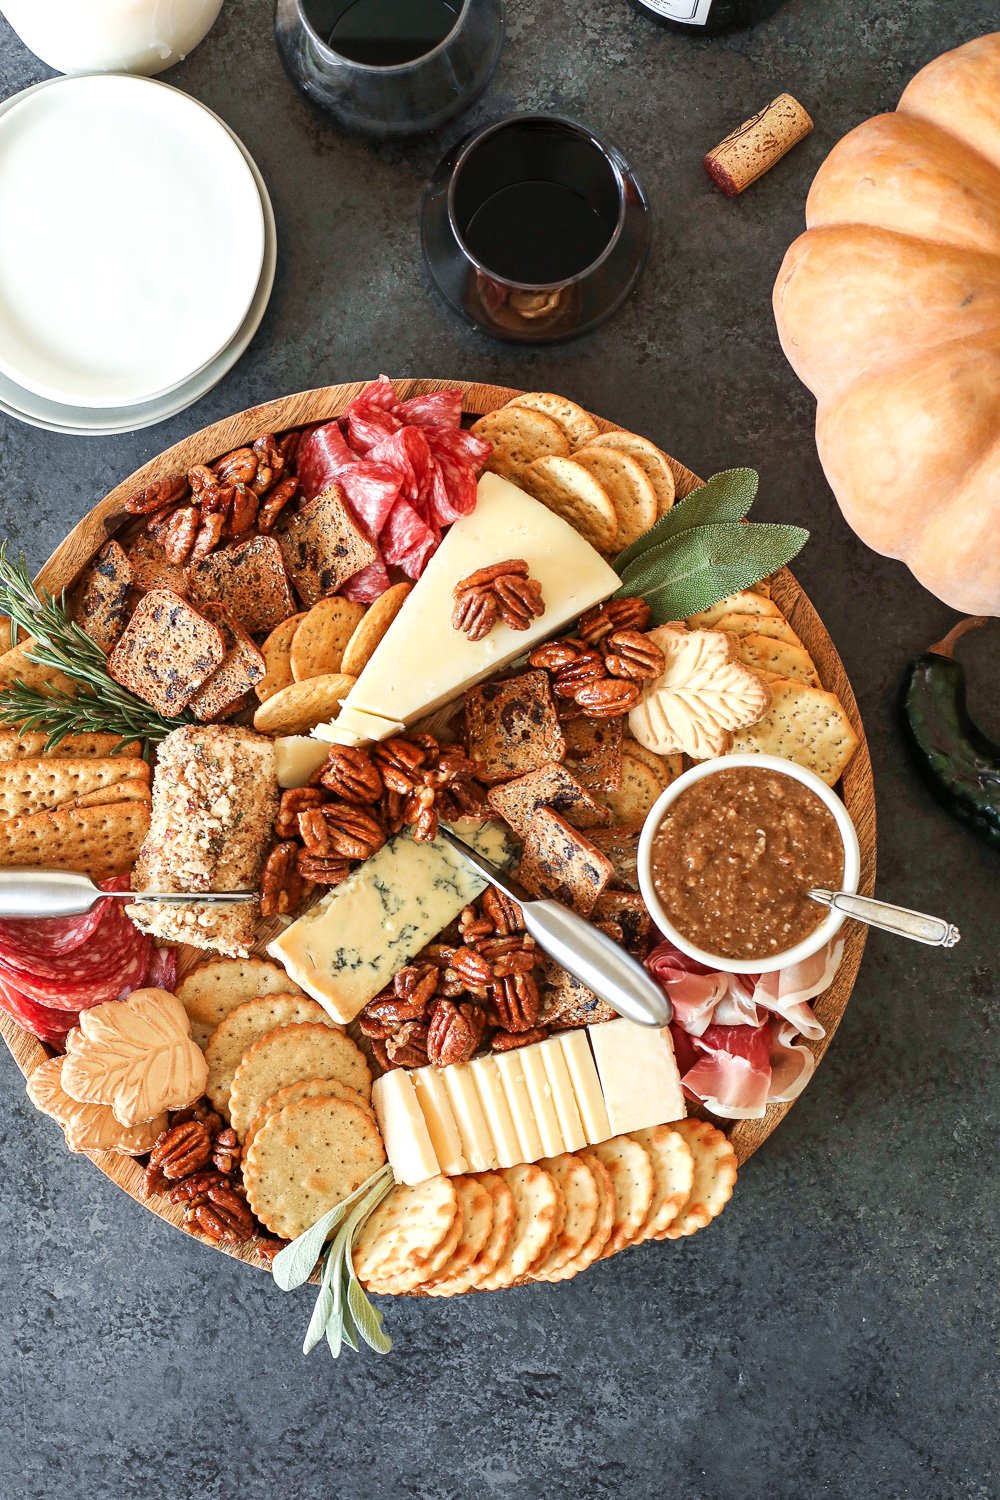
x=103, y=707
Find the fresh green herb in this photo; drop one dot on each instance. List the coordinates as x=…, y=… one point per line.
x=343, y=1313
x=702, y=550
x=103, y=707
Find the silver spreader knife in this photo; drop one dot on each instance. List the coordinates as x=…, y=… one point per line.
x=588, y=953
x=63, y=893
x=936, y=932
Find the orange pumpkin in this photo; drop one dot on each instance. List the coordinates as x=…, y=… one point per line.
x=888, y=308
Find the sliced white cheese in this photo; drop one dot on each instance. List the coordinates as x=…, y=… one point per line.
x=489, y=1087
x=542, y=1103
x=510, y=1067
x=408, y=1143
x=639, y=1076
x=347, y=948
x=440, y=1120
x=586, y=1085
x=422, y=661
x=353, y=726
x=297, y=756
x=477, y=1143
x=571, y=1129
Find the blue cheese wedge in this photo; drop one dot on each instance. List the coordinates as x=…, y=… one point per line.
x=422, y=661
x=347, y=948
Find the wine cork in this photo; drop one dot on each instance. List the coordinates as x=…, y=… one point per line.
x=759, y=142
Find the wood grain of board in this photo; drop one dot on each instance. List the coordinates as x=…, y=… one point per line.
x=108, y=516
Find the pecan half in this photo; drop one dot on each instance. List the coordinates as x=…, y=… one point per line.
x=322, y=871
x=502, y=590
x=399, y=760
x=195, y=1189
x=242, y=511
x=298, y=799
x=272, y=506
x=201, y=477
x=614, y=614
x=270, y=462
x=555, y=655
x=472, y=926
x=632, y=655
x=281, y=887
x=455, y=1032
x=223, y=1217
x=178, y=536
x=226, y=1153
x=208, y=537
x=472, y=968
x=509, y=1041
x=520, y=601
x=351, y=774
x=341, y=831
x=608, y=699
x=514, y=567
x=585, y=668
x=407, y=1046
x=158, y=495
x=177, y=1152
x=420, y=814
x=414, y=987
x=504, y=913
x=268, y=1249
x=475, y=613
x=516, y=1002
x=238, y=467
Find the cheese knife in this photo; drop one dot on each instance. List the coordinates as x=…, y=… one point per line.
x=64, y=893
x=592, y=957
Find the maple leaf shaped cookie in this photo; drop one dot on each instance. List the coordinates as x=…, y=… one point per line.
x=135, y=1055
x=87, y=1127
x=702, y=696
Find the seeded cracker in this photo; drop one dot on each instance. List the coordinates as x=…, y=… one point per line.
x=765, y=654
x=746, y=602
x=578, y=426
x=277, y=653
x=673, y=1177
x=559, y=861
x=519, y=436
x=571, y=491
x=566, y=1003
x=775, y=627
x=305, y=1159
x=621, y=847
x=628, y=488
x=323, y=546
x=549, y=786
x=309, y=1050
x=631, y=1171
x=579, y=1190
x=249, y=580
x=235, y=1035
x=653, y=462
x=299, y=707
x=513, y=727
x=640, y=787
x=628, y=912
x=501, y=1230
x=167, y=652
x=713, y=1180
x=319, y=642
x=376, y=621
x=218, y=985
x=803, y=724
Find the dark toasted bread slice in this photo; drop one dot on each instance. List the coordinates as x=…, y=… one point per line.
x=167, y=651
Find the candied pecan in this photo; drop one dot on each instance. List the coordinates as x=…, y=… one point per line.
x=407, y=1046
x=201, y=477
x=223, y=1217
x=177, y=1152
x=341, y=831
x=226, y=1152
x=297, y=800
x=202, y=1111
x=587, y=667
x=281, y=888
x=272, y=506
x=514, y=567
x=475, y=613
x=472, y=967
x=158, y=524
x=381, y=1056
x=630, y=654
x=455, y=1033
x=268, y=1249
x=509, y=1041
x=238, y=467
x=495, y=949
x=399, y=761
x=415, y=983
x=520, y=601
x=270, y=462
x=420, y=815
x=555, y=655
x=453, y=765
x=195, y=1188
x=393, y=810
x=520, y=960
x=466, y=799
x=215, y=500
x=608, y=699
x=374, y=1029
x=178, y=537
x=351, y=774
x=156, y=496
x=288, y=444
x=472, y=926
x=614, y=614
x=504, y=913
x=516, y=1001
x=322, y=871
x=208, y=538
x=242, y=511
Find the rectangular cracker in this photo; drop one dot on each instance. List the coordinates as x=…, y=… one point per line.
x=323, y=546
x=549, y=786
x=97, y=841
x=513, y=727
x=248, y=580
x=31, y=744
x=50, y=782
x=17, y=666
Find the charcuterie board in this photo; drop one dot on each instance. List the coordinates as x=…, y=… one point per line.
x=109, y=517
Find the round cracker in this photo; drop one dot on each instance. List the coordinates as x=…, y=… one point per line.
x=640, y=787
x=519, y=436
x=318, y=643
x=652, y=460
x=603, y=1224
x=476, y=1204
x=578, y=426
x=666, y=768
x=571, y=491
x=216, y=987
x=632, y=1176
x=803, y=724
x=276, y=651
x=246, y=1024
x=306, y=1158
x=306, y=1088
x=673, y=1177
x=713, y=1180
x=372, y=627
x=303, y=705
x=288, y=1055
x=408, y=1231
x=629, y=490
x=582, y=1200
x=744, y=602
x=537, y=1204
x=501, y=1230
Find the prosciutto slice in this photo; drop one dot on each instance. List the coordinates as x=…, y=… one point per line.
x=787, y=992
x=733, y=1077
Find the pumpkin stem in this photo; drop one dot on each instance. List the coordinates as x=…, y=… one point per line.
x=946, y=647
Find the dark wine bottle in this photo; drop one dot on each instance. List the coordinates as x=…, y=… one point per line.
x=707, y=17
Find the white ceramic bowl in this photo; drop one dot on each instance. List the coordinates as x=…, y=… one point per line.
x=817, y=939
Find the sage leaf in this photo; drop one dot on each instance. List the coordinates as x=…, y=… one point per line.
x=294, y=1264
x=697, y=568
x=727, y=496
x=324, y=1305
x=366, y=1319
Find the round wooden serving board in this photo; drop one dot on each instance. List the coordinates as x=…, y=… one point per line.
x=109, y=516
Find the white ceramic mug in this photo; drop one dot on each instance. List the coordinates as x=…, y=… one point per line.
x=111, y=36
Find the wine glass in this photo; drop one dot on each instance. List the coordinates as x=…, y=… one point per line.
x=389, y=68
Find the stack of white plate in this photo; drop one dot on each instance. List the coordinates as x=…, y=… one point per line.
x=137, y=253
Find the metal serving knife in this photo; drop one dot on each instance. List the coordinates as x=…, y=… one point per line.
x=588, y=953
x=63, y=893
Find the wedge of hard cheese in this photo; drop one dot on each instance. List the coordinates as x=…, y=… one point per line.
x=422, y=661
x=639, y=1077
x=349, y=946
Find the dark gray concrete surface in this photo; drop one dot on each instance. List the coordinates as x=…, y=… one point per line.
x=835, y=1333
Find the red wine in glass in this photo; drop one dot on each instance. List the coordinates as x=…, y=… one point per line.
x=386, y=33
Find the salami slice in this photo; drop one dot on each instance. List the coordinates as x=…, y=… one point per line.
x=407, y=540
x=457, y=443
x=436, y=409
x=100, y=954
x=161, y=973
x=77, y=987
x=43, y=1021
x=372, y=489
x=368, y=585
x=368, y=426
x=44, y=937
x=323, y=455
x=409, y=454
x=378, y=393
